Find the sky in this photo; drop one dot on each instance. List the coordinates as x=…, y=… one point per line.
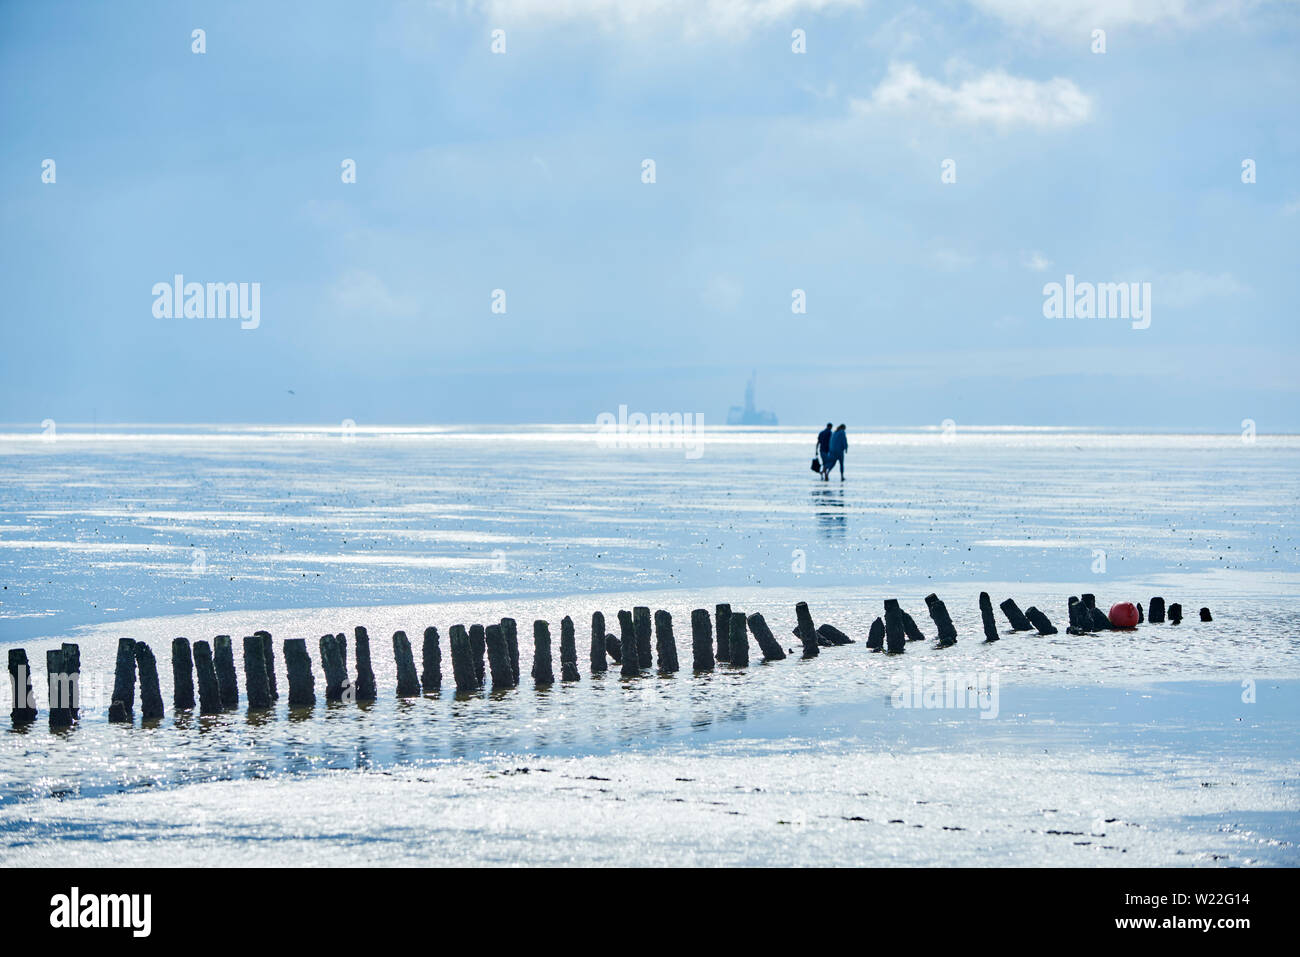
x=921, y=172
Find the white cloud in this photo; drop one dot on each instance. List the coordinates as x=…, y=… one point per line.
x=693, y=16
x=1035, y=260
x=994, y=97
x=361, y=292
x=1083, y=15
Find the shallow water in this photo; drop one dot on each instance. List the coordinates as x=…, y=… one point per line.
x=303, y=535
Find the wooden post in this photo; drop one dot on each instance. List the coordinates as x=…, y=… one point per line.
x=223, y=659
x=1015, y=616
x=72, y=662
x=701, y=640
x=477, y=647
x=462, y=659
x=60, y=689
x=599, y=664
x=498, y=652
x=568, y=651
x=614, y=648
x=297, y=664
x=408, y=683
x=807, y=633
x=1040, y=621
x=543, y=674
x=641, y=627
x=20, y=682
x=910, y=631
x=833, y=635
x=665, y=644
x=256, y=683
x=182, y=675
x=124, y=676
x=336, y=673
x=1175, y=613
x=268, y=662
x=631, y=660
x=1205, y=615
x=895, y=637
x=722, y=621
x=738, y=641
x=1156, y=610
x=767, y=643
x=1141, y=618
x=151, y=702
x=510, y=629
x=942, y=620
x=366, y=690
x=986, y=614
x=206, y=674
x=876, y=636
x=431, y=653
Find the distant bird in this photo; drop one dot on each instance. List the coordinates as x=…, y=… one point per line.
x=291, y=392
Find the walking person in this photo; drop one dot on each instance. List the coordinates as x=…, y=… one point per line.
x=838, y=448
x=824, y=447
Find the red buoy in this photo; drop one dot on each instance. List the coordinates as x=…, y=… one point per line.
x=1123, y=615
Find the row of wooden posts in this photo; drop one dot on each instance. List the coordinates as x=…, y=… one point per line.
x=478, y=652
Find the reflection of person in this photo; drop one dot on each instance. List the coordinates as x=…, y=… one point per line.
x=837, y=449
x=824, y=447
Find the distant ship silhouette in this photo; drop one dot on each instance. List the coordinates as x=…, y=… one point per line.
x=749, y=415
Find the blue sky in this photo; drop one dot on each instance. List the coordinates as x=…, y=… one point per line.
x=774, y=170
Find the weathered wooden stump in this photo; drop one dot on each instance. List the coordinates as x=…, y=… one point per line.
x=947, y=631
x=631, y=660
x=408, y=682
x=895, y=636
x=1156, y=610
x=1077, y=624
x=268, y=662
x=124, y=675
x=1205, y=615
x=543, y=674
x=182, y=675
x=1141, y=618
x=297, y=665
x=336, y=672
x=876, y=636
x=1175, y=613
x=462, y=659
x=510, y=629
x=910, y=631
x=599, y=662
x=365, y=686
x=722, y=625
x=738, y=641
x=986, y=615
x=498, y=652
x=701, y=640
x=60, y=689
x=833, y=635
x=223, y=659
x=614, y=648
x=151, y=702
x=256, y=684
x=568, y=651
x=644, y=645
x=807, y=631
x=206, y=674
x=665, y=643
x=477, y=649
x=22, y=701
x=1040, y=621
x=1015, y=616
x=767, y=643
x=431, y=658
x=341, y=643
x=1099, y=621
x=72, y=662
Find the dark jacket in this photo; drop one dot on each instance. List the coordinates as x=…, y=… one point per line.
x=839, y=443
x=824, y=440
